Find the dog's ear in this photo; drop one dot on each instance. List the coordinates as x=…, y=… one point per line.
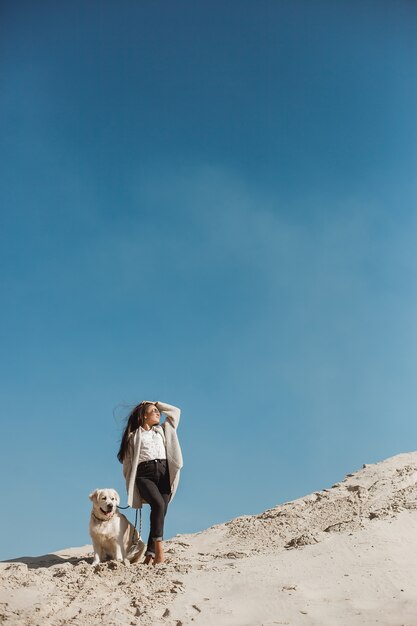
x=116, y=495
x=93, y=494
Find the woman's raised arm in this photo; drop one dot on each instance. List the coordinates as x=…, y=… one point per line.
x=172, y=412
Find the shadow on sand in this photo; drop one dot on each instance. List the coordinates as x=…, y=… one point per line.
x=48, y=560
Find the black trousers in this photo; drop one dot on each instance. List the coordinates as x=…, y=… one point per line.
x=152, y=481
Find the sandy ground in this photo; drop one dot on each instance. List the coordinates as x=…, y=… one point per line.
x=344, y=556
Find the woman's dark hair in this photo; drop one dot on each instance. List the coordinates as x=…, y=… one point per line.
x=134, y=420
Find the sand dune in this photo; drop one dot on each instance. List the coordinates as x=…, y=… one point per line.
x=344, y=556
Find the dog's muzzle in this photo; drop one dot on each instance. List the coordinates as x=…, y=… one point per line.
x=108, y=512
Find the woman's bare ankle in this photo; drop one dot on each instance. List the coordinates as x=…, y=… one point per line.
x=159, y=552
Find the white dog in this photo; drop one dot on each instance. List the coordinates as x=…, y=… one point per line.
x=113, y=536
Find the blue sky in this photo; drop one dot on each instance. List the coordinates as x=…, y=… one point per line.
x=212, y=205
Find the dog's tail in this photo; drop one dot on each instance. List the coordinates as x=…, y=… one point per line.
x=136, y=551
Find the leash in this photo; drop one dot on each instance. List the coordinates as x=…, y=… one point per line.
x=136, y=518
x=140, y=522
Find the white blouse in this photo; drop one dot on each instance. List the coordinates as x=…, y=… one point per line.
x=151, y=445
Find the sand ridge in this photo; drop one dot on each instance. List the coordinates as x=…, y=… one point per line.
x=342, y=556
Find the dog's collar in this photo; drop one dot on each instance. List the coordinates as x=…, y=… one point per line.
x=102, y=520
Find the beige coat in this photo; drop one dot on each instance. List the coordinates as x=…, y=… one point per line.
x=168, y=430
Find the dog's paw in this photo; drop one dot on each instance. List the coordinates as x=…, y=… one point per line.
x=126, y=562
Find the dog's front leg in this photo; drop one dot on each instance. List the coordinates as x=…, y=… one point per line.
x=97, y=554
x=120, y=556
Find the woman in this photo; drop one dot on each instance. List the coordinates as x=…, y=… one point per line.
x=152, y=459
